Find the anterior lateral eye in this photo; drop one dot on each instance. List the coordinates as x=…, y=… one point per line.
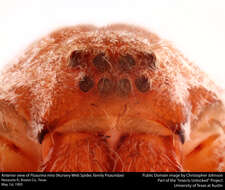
x=86, y=84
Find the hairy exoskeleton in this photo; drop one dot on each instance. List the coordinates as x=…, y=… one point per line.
x=116, y=98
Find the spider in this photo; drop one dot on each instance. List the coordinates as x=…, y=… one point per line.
x=109, y=99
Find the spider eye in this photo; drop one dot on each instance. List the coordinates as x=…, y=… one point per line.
x=124, y=87
x=77, y=58
x=100, y=62
x=105, y=86
x=149, y=60
x=142, y=83
x=126, y=62
x=86, y=84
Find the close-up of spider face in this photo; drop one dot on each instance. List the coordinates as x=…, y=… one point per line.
x=109, y=99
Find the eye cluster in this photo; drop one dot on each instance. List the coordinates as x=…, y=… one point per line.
x=124, y=63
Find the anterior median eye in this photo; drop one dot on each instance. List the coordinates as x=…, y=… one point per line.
x=124, y=87
x=105, y=86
